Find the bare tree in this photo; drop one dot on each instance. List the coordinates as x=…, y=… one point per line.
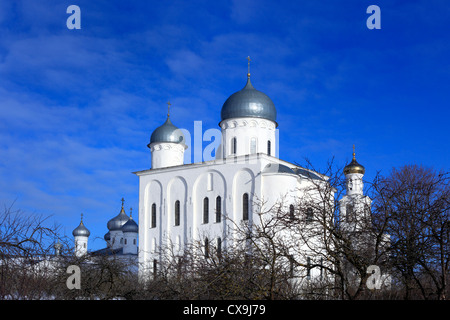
x=412, y=203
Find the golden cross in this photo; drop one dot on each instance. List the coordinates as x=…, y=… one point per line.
x=353, y=151
x=81, y=217
x=168, y=108
x=248, y=73
x=122, y=201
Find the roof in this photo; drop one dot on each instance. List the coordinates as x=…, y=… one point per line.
x=249, y=102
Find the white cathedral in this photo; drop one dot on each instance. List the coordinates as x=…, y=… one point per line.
x=182, y=203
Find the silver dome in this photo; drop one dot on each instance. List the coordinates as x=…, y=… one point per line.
x=81, y=231
x=167, y=133
x=107, y=236
x=130, y=226
x=118, y=221
x=249, y=102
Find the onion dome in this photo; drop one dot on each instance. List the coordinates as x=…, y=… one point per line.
x=354, y=166
x=118, y=221
x=81, y=230
x=130, y=226
x=107, y=236
x=167, y=132
x=249, y=102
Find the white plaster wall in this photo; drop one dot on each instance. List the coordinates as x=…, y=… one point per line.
x=81, y=244
x=166, y=154
x=244, y=129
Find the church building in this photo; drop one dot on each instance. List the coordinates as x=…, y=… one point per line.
x=201, y=202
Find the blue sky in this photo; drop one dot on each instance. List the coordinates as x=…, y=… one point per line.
x=78, y=106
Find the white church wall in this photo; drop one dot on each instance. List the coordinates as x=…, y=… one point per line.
x=244, y=130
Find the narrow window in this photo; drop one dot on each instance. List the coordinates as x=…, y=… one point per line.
x=205, y=210
x=219, y=247
x=309, y=215
x=308, y=268
x=245, y=206
x=134, y=241
x=218, y=209
x=155, y=267
x=349, y=213
x=233, y=145
x=291, y=213
x=154, y=215
x=268, y=147
x=206, y=248
x=125, y=241
x=253, y=146
x=321, y=268
x=177, y=213
x=291, y=266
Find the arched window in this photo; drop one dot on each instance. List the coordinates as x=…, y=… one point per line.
x=309, y=215
x=219, y=247
x=125, y=241
x=177, y=212
x=268, y=147
x=245, y=206
x=205, y=210
x=291, y=212
x=349, y=214
x=155, y=267
x=206, y=248
x=154, y=215
x=253, y=146
x=218, y=209
x=308, y=268
x=233, y=145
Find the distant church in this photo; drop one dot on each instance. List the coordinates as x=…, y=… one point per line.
x=181, y=203
x=121, y=238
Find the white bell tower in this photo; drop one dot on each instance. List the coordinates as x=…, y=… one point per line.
x=354, y=206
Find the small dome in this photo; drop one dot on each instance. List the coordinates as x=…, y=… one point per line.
x=354, y=166
x=130, y=226
x=118, y=221
x=249, y=102
x=81, y=231
x=107, y=236
x=167, y=133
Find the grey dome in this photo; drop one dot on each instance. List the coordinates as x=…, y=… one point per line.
x=167, y=133
x=81, y=231
x=277, y=168
x=118, y=221
x=249, y=102
x=130, y=226
x=107, y=236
